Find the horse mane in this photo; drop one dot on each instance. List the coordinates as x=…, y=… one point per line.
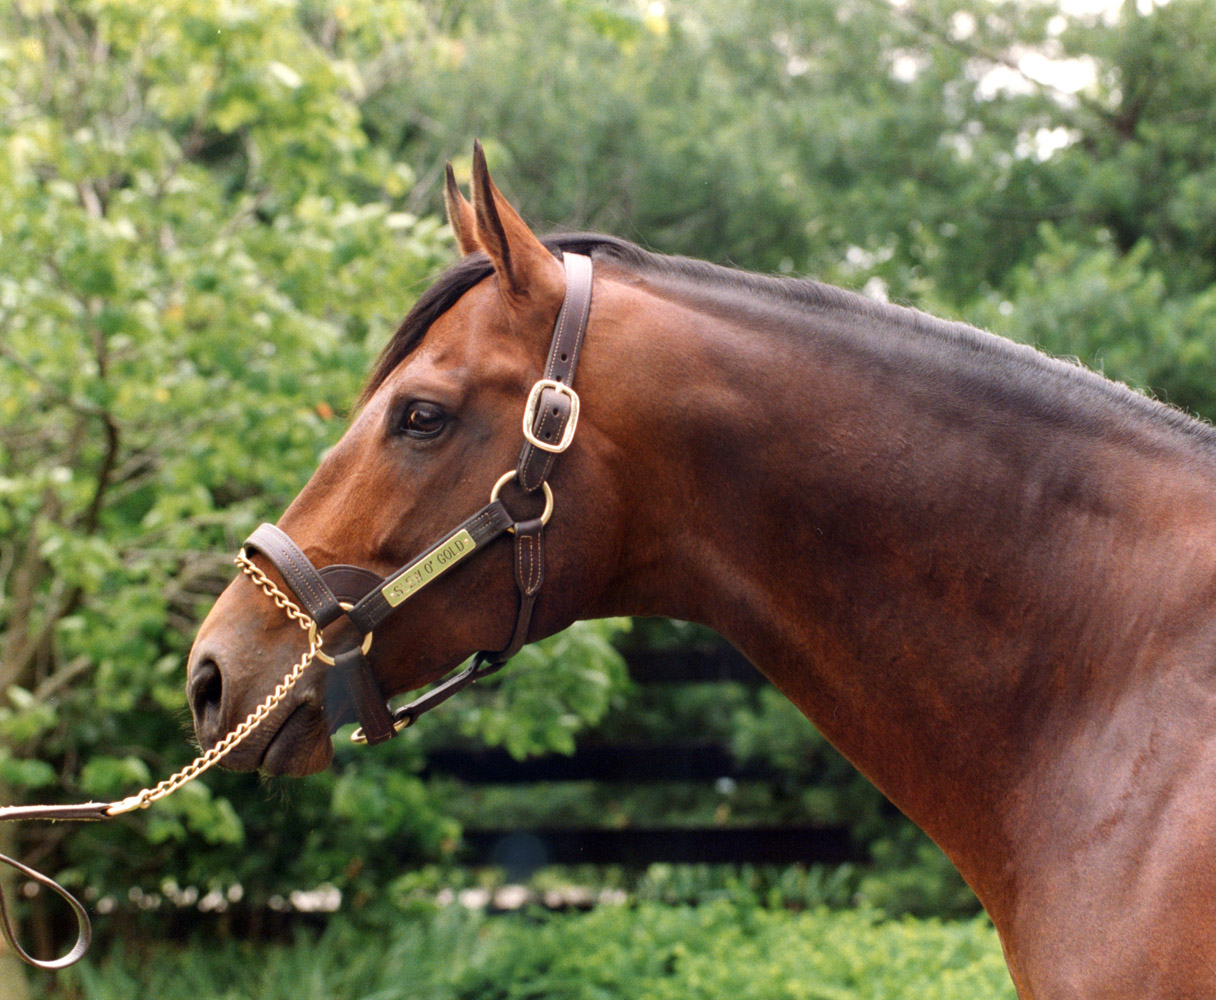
x=1029, y=373
x=458, y=279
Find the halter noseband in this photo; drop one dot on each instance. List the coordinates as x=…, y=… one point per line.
x=365, y=599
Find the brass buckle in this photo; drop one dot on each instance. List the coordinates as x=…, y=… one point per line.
x=325, y=657
x=530, y=415
x=506, y=477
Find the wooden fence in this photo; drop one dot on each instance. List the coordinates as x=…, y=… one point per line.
x=524, y=850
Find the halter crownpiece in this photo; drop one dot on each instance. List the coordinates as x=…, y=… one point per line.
x=366, y=599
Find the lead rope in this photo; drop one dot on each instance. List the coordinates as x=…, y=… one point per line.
x=145, y=798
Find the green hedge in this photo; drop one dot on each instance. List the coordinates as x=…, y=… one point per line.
x=641, y=952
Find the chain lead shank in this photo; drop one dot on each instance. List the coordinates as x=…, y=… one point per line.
x=144, y=798
x=550, y=419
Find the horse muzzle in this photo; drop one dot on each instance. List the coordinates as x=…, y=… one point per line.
x=293, y=738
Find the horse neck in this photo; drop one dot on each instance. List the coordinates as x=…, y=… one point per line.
x=939, y=549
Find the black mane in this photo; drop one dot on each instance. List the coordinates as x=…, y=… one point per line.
x=1025, y=373
x=453, y=283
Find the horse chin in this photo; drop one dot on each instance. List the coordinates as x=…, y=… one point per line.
x=301, y=746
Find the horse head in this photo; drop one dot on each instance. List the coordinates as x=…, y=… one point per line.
x=438, y=431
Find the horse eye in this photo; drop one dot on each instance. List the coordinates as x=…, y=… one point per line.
x=423, y=420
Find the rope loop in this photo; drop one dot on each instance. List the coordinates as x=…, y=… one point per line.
x=84, y=929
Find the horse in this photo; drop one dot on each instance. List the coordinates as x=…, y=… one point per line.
x=986, y=575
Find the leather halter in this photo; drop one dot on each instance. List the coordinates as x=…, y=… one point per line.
x=365, y=599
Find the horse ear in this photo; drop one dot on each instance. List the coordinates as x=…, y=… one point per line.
x=460, y=215
x=525, y=267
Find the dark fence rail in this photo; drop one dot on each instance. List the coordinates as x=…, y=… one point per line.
x=639, y=763
x=520, y=851
x=674, y=666
x=523, y=851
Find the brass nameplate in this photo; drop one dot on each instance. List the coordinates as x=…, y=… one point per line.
x=417, y=575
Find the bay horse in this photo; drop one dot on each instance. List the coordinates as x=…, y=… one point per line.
x=987, y=576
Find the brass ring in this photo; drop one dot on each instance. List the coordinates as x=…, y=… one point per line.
x=506, y=477
x=325, y=657
x=360, y=737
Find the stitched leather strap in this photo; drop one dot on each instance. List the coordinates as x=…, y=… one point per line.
x=297, y=572
x=350, y=583
x=483, y=527
x=84, y=930
x=552, y=412
x=370, y=707
x=482, y=666
x=82, y=811
x=529, y=575
x=554, y=408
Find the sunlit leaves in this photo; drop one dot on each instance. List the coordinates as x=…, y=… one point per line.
x=551, y=690
x=201, y=251
x=178, y=184
x=212, y=213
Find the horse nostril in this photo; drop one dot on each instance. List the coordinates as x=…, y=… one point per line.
x=206, y=691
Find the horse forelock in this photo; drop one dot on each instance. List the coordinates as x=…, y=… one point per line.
x=444, y=293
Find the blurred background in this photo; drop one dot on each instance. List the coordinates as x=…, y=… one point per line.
x=213, y=214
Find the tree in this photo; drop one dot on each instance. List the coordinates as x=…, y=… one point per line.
x=1045, y=175
x=200, y=252
x=171, y=181
x=938, y=152
x=212, y=214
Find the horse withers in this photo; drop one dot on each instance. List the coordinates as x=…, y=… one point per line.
x=986, y=575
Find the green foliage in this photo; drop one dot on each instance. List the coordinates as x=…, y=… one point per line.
x=716, y=950
x=200, y=253
x=172, y=180
x=792, y=888
x=539, y=709
x=939, y=152
x=1116, y=312
x=211, y=215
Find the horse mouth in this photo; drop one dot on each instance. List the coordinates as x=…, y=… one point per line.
x=300, y=746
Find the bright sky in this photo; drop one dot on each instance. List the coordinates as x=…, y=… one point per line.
x=1068, y=76
x=1108, y=8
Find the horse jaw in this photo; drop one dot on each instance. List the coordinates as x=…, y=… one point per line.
x=302, y=745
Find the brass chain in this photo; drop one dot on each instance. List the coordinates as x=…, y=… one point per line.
x=143, y=799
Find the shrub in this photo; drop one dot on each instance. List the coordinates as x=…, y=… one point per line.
x=645, y=951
